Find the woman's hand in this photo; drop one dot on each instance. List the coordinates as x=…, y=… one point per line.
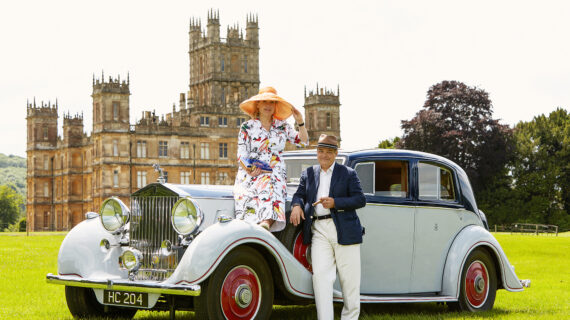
x=255, y=172
x=297, y=115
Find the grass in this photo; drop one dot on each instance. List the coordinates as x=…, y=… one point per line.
x=25, y=261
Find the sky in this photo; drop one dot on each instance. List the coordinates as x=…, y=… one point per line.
x=383, y=55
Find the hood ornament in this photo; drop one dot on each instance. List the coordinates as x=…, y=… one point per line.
x=158, y=169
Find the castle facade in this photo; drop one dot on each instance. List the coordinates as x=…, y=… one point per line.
x=195, y=144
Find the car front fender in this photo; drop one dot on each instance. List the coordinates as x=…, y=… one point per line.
x=467, y=240
x=81, y=255
x=210, y=247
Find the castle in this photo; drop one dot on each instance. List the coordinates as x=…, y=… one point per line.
x=196, y=143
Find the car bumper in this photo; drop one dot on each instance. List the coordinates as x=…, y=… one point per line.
x=125, y=285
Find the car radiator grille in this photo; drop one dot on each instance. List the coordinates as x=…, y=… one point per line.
x=150, y=226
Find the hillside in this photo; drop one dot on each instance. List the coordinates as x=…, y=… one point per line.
x=13, y=172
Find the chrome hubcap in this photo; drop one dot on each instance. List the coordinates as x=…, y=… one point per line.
x=479, y=284
x=243, y=296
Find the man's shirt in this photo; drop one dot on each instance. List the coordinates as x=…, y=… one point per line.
x=324, y=188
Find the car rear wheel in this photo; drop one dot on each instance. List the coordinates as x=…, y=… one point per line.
x=292, y=239
x=82, y=303
x=478, y=283
x=241, y=287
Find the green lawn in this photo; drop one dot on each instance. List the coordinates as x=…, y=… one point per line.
x=545, y=260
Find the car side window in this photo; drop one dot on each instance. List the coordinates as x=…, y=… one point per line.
x=435, y=183
x=384, y=178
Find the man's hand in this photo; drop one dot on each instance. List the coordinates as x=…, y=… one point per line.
x=296, y=215
x=327, y=202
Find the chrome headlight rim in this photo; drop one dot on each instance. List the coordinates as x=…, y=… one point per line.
x=121, y=213
x=195, y=213
x=126, y=264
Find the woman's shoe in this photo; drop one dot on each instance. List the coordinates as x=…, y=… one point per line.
x=265, y=225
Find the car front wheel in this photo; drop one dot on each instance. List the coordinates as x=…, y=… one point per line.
x=478, y=283
x=82, y=303
x=241, y=287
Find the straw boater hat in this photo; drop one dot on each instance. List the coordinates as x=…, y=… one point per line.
x=327, y=141
x=283, y=109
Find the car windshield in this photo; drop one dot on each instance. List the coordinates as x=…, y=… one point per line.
x=295, y=167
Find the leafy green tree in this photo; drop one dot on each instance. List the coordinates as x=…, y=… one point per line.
x=456, y=122
x=10, y=206
x=389, y=144
x=541, y=169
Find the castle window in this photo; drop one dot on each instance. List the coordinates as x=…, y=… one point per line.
x=222, y=177
x=239, y=121
x=329, y=120
x=141, y=149
x=204, y=150
x=223, y=96
x=165, y=175
x=202, y=65
x=222, y=121
x=46, y=219
x=45, y=133
x=184, y=150
x=141, y=179
x=223, y=150
x=46, y=189
x=185, y=177
x=205, y=178
x=223, y=63
x=46, y=163
x=163, y=148
x=245, y=64
x=205, y=121
x=115, y=178
x=235, y=64
x=115, y=148
x=116, y=110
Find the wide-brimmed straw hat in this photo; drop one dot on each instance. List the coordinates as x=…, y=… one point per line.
x=283, y=109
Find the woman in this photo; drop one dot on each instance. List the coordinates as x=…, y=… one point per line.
x=260, y=195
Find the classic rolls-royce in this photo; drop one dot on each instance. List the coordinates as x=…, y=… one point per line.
x=178, y=247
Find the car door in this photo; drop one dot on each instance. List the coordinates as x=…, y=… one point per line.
x=388, y=218
x=438, y=218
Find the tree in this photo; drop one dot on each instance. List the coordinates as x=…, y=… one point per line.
x=456, y=122
x=541, y=169
x=10, y=202
x=389, y=144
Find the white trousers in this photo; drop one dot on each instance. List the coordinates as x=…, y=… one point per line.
x=328, y=257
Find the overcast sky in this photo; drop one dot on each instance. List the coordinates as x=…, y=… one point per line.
x=384, y=55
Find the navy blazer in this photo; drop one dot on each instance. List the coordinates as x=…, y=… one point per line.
x=348, y=196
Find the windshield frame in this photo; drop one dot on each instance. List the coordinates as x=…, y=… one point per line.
x=342, y=157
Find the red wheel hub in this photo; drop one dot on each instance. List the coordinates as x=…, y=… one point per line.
x=477, y=284
x=241, y=294
x=301, y=252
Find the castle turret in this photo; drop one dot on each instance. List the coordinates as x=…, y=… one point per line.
x=322, y=109
x=195, y=31
x=42, y=125
x=110, y=105
x=72, y=130
x=252, y=30
x=213, y=34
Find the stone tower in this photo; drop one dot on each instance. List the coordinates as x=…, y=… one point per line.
x=110, y=105
x=322, y=108
x=40, y=150
x=222, y=73
x=72, y=130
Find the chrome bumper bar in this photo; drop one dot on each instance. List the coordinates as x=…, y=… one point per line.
x=125, y=285
x=525, y=283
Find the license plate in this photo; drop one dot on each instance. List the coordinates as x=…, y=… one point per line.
x=125, y=298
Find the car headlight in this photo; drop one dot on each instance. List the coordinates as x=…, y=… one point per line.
x=114, y=214
x=186, y=216
x=131, y=259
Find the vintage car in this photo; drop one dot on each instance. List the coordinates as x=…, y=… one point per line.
x=178, y=247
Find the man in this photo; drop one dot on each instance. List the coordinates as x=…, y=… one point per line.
x=327, y=197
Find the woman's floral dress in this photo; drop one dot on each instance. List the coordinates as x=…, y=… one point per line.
x=263, y=197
